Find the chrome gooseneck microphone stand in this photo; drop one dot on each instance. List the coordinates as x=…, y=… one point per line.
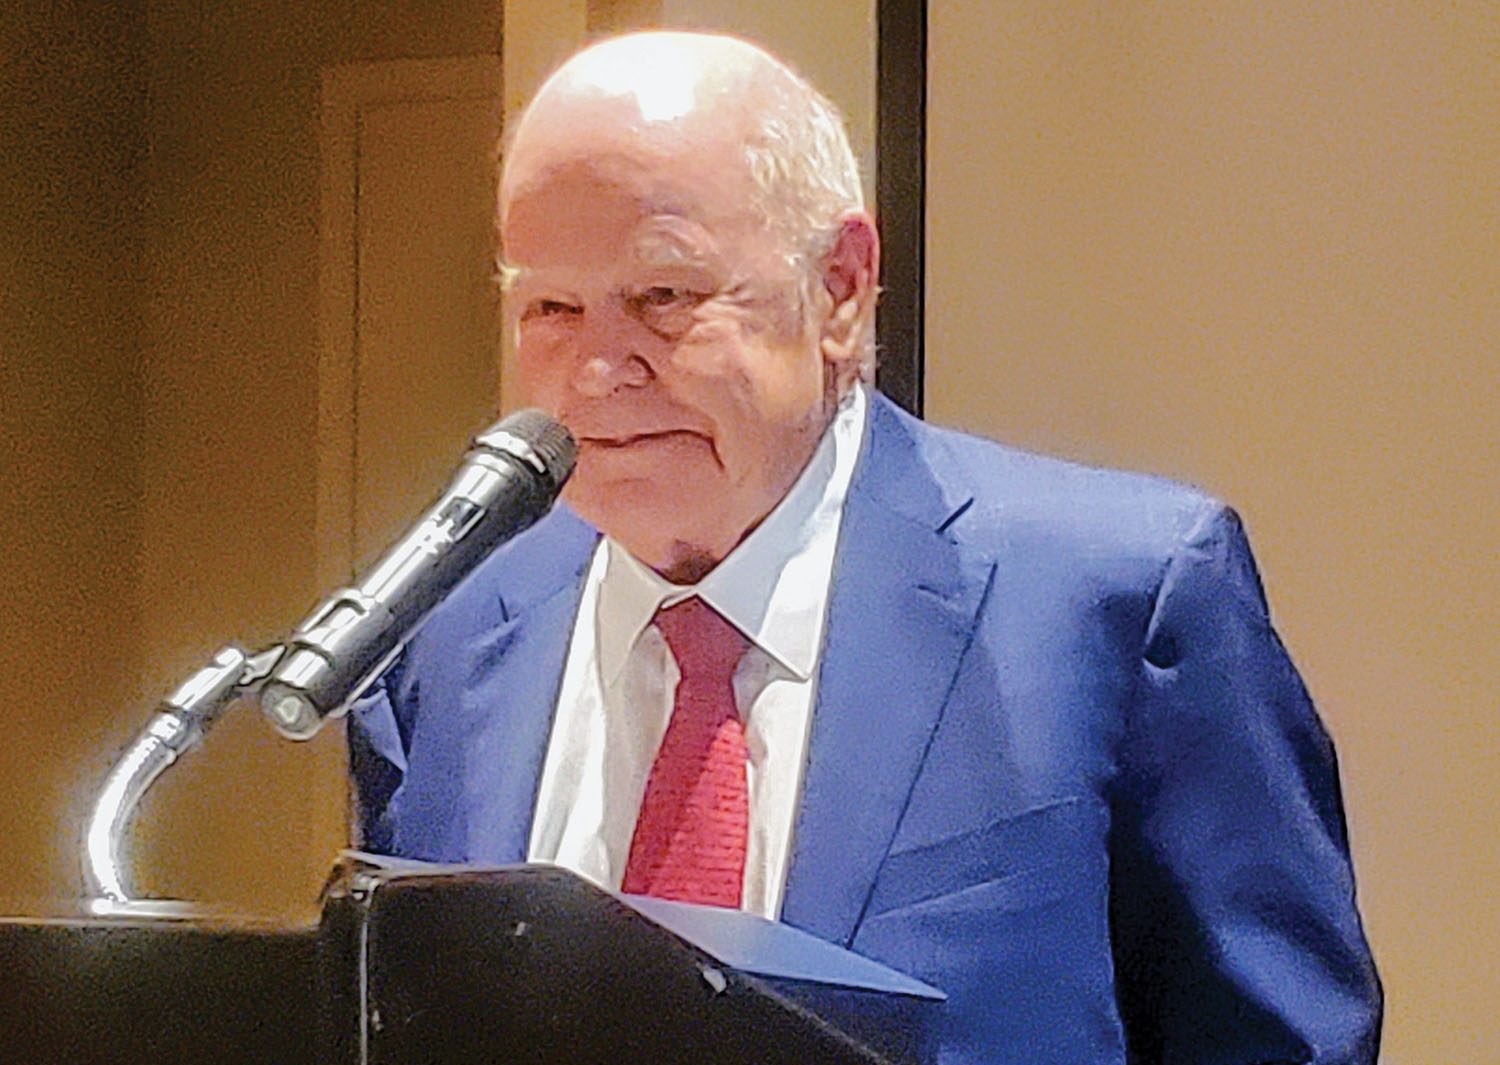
x=509, y=479
x=178, y=725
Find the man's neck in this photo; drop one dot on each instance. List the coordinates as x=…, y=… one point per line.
x=688, y=564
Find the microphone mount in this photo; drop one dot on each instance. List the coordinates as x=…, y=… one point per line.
x=178, y=725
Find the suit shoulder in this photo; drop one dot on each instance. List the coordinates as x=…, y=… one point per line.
x=1020, y=495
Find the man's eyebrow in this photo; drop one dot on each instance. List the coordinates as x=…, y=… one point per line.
x=663, y=244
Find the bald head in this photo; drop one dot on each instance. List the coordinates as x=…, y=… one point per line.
x=667, y=76
x=653, y=98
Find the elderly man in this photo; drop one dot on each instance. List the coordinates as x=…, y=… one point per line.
x=1019, y=728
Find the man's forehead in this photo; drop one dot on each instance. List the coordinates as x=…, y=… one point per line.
x=619, y=168
x=662, y=210
x=669, y=169
x=654, y=241
x=656, y=100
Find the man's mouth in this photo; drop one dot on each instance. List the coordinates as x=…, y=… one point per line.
x=642, y=439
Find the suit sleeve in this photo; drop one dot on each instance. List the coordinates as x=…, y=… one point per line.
x=1232, y=895
x=379, y=731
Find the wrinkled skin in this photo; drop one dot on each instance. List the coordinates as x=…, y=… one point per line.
x=662, y=320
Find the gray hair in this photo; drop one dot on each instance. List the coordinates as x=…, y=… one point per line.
x=806, y=176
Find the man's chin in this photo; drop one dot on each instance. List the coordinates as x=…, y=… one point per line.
x=649, y=520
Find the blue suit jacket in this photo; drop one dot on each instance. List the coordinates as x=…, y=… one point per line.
x=1060, y=764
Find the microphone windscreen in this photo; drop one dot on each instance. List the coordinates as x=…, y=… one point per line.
x=548, y=438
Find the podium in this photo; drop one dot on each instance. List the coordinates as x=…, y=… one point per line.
x=414, y=964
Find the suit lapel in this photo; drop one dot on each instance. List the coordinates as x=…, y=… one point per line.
x=901, y=613
x=515, y=666
x=505, y=703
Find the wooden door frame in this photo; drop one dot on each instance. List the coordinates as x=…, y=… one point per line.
x=346, y=90
x=900, y=194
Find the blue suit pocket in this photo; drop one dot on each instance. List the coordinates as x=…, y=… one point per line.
x=1016, y=861
x=1011, y=919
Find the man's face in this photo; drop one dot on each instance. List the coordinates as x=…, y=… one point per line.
x=663, y=323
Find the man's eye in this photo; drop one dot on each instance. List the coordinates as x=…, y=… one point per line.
x=664, y=297
x=548, y=309
x=660, y=296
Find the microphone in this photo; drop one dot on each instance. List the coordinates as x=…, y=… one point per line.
x=510, y=478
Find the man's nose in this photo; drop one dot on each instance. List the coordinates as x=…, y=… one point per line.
x=610, y=356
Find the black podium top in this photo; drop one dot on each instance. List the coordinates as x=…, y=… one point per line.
x=195, y=987
x=529, y=965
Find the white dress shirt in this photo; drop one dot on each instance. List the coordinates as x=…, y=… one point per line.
x=620, y=678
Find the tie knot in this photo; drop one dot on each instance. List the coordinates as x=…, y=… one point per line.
x=705, y=645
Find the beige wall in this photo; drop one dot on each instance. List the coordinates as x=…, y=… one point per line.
x=71, y=144
x=1255, y=247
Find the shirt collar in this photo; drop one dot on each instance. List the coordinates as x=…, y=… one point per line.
x=773, y=586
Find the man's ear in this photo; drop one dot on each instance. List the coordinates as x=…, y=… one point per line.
x=851, y=272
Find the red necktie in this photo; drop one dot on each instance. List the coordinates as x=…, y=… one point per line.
x=689, y=841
